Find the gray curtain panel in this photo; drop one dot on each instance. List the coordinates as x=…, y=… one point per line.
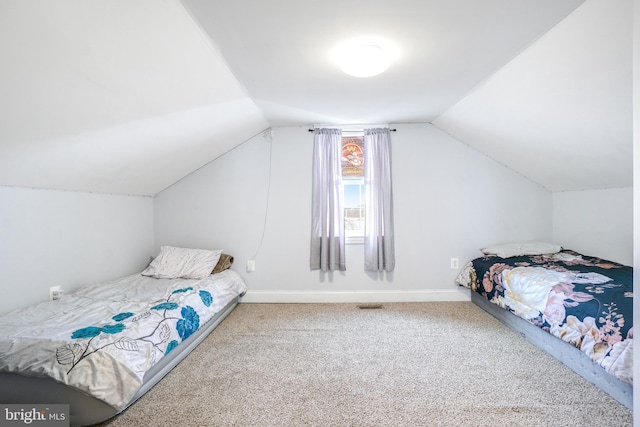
x=327, y=223
x=379, y=252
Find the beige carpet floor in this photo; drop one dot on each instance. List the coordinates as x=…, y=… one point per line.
x=407, y=364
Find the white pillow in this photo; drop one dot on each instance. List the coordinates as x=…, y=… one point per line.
x=507, y=250
x=185, y=263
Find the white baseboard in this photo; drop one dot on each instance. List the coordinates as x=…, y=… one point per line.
x=424, y=295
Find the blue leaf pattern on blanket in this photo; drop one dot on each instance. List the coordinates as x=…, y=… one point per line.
x=173, y=344
x=189, y=323
x=94, y=331
x=113, y=329
x=206, y=298
x=165, y=306
x=185, y=325
x=88, y=332
x=121, y=316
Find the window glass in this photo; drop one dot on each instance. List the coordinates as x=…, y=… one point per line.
x=353, y=156
x=353, y=186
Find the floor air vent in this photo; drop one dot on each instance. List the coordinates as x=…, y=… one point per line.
x=370, y=306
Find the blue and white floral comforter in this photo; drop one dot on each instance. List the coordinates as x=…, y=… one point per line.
x=583, y=300
x=102, y=338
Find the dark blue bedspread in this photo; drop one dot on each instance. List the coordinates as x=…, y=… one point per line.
x=583, y=300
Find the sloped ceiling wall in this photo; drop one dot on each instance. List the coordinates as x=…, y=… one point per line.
x=113, y=96
x=560, y=112
x=128, y=97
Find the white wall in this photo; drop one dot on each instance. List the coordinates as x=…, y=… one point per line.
x=449, y=199
x=595, y=222
x=636, y=191
x=50, y=238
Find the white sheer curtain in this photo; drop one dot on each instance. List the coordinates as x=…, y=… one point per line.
x=379, y=252
x=327, y=233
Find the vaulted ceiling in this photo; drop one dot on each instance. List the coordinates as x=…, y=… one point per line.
x=128, y=97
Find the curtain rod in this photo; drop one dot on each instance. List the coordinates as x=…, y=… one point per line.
x=355, y=130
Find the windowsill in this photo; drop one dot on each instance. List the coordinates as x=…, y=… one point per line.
x=354, y=240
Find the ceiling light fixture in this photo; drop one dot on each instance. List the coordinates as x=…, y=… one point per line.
x=364, y=57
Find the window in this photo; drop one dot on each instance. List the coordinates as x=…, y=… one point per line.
x=353, y=187
x=341, y=164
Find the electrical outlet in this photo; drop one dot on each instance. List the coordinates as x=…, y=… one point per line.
x=251, y=266
x=55, y=292
x=455, y=263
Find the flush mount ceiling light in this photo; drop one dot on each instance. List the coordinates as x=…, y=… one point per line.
x=364, y=57
x=364, y=61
